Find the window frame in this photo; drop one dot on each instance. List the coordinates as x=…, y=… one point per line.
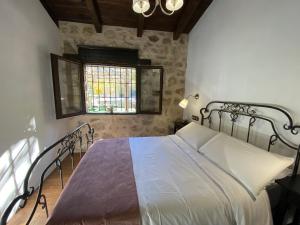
x=82, y=63
x=56, y=86
x=115, y=65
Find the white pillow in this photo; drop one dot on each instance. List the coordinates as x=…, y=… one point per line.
x=196, y=135
x=253, y=167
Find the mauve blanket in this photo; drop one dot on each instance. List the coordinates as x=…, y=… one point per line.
x=101, y=190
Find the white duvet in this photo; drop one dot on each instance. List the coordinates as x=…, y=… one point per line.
x=176, y=186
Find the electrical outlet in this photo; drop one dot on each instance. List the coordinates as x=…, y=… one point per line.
x=196, y=118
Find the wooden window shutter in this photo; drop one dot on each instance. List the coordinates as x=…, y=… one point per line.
x=150, y=89
x=68, y=84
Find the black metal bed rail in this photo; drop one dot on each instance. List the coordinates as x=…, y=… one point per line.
x=246, y=109
x=65, y=145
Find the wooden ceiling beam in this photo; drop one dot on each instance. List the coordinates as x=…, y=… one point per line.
x=140, y=26
x=199, y=13
x=50, y=12
x=92, y=6
x=119, y=13
x=191, y=14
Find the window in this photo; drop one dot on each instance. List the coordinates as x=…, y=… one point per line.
x=110, y=89
x=82, y=87
x=67, y=84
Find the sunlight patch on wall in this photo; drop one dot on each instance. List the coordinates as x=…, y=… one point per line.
x=18, y=148
x=14, y=164
x=32, y=125
x=8, y=191
x=35, y=148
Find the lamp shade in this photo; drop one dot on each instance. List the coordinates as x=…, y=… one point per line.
x=173, y=5
x=183, y=103
x=140, y=6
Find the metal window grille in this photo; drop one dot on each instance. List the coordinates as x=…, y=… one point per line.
x=110, y=89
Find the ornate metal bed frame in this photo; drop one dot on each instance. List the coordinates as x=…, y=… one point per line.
x=233, y=109
x=65, y=147
x=239, y=109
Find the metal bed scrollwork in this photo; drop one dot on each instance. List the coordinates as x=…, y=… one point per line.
x=250, y=110
x=65, y=147
x=235, y=110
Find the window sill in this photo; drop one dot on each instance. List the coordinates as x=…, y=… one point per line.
x=110, y=114
x=120, y=114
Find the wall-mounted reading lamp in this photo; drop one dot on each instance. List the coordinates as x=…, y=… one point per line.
x=184, y=102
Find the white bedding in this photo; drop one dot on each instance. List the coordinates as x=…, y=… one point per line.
x=178, y=186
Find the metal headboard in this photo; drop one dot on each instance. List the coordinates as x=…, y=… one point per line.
x=65, y=146
x=250, y=110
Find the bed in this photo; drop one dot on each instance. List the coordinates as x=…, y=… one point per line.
x=176, y=179
x=175, y=185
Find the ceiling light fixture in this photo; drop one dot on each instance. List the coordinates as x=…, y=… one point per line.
x=142, y=6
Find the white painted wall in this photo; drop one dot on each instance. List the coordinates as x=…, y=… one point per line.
x=27, y=115
x=246, y=51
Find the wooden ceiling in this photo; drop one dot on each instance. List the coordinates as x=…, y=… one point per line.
x=120, y=13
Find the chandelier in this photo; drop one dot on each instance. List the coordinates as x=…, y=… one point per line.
x=142, y=6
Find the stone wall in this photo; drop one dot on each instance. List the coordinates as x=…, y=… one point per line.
x=155, y=45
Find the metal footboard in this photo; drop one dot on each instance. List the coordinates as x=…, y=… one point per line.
x=64, y=147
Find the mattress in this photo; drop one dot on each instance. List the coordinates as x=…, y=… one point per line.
x=176, y=185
